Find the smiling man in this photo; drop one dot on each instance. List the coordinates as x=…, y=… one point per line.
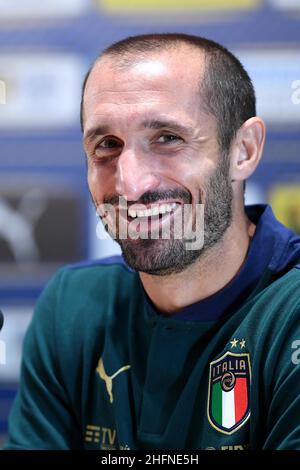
x=177, y=344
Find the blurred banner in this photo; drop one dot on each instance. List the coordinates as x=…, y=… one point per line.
x=32, y=9
x=42, y=90
x=2, y=92
x=285, y=5
x=40, y=228
x=273, y=73
x=16, y=322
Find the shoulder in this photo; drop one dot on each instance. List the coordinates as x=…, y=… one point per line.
x=285, y=288
x=84, y=283
x=86, y=296
x=93, y=288
x=86, y=279
x=275, y=310
x=113, y=265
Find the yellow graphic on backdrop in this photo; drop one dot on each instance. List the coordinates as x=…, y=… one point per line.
x=285, y=202
x=132, y=6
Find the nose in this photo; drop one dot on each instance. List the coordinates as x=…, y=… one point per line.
x=134, y=175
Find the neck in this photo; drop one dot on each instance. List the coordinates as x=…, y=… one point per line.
x=206, y=276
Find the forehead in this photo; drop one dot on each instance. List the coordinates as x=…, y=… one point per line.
x=166, y=80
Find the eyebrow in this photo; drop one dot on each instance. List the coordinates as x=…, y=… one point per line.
x=156, y=124
x=161, y=124
x=95, y=131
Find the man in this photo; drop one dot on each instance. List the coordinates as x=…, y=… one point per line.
x=179, y=346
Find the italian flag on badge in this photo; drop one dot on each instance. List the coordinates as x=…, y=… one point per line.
x=229, y=390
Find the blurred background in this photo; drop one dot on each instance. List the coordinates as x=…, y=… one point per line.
x=46, y=217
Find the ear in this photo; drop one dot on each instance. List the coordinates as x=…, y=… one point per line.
x=247, y=148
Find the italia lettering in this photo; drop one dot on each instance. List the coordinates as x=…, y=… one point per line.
x=232, y=365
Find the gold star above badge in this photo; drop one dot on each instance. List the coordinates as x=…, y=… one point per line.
x=234, y=343
x=243, y=343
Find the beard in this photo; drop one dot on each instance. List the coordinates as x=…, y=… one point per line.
x=163, y=257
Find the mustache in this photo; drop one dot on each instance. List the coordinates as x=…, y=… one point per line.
x=150, y=197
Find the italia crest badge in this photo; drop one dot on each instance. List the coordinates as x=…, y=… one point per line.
x=228, y=392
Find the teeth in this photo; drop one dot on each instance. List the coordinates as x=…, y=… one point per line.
x=132, y=213
x=161, y=209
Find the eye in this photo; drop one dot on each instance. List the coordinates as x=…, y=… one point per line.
x=109, y=143
x=107, y=146
x=169, y=138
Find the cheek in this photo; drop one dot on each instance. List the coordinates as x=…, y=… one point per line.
x=190, y=175
x=100, y=175
x=196, y=179
x=101, y=181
